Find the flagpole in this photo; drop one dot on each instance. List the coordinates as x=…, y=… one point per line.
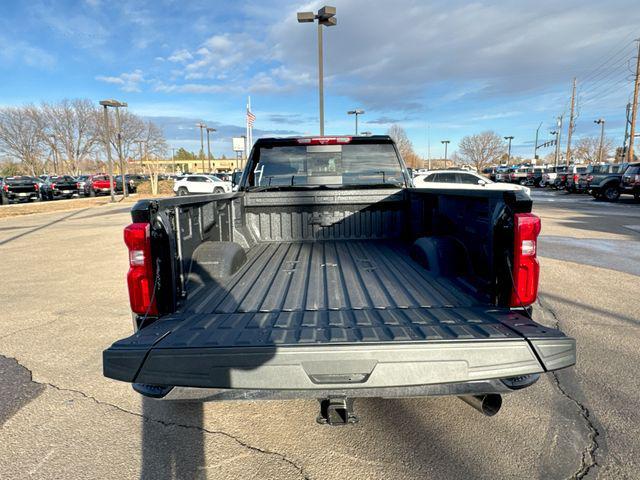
x=250, y=127
x=246, y=142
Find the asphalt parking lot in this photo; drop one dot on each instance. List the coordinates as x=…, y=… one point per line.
x=64, y=300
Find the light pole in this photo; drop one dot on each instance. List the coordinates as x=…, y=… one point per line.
x=107, y=139
x=209, y=130
x=202, y=126
x=356, y=112
x=558, y=133
x=446, y=144
x=535, y=149
x=125, y=187
x=366, y=134
x=173, y=159
x=509, y=138
x=325, y=16
x=600, y=122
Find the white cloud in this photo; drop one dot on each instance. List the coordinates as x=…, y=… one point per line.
x=129, y=82
x=180, y=56
x=12, y=51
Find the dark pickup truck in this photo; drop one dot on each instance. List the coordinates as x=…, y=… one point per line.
x=19, y=189
x=59, y=186
x=328, y=276
x=606, y=185
x=630, y=183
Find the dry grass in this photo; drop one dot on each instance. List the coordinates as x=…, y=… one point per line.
x=18, y=209
x=165, y=188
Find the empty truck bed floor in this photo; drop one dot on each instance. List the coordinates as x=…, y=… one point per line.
x=327, y=275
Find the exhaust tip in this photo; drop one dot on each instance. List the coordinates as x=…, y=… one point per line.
x=488, y=404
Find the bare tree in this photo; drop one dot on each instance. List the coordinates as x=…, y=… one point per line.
x=69, y=128
x=399, y=135
x=20, y=137
x=156, y=148
x=481, y=150
x=587, y=149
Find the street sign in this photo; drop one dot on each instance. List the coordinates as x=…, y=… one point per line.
x=238, y=144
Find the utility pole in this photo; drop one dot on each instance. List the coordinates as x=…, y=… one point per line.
x=173, y=159
x=571, y=122
x=634, y=106
x=107, y=142
x=209, y=130
x=600, y=122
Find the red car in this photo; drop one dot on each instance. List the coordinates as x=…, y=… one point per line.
x=99, y=185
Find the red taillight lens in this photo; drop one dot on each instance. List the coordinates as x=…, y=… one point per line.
x=78, y=186
x=526, y=269
x=324, y=140
x=53, y=185
x=137, y=237
x=589, y=178
x=36, y=186
x=575, y=178
x=6, y=188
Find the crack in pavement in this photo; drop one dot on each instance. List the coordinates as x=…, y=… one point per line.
x=240, y=442
x=27, y=329
x=588, y=460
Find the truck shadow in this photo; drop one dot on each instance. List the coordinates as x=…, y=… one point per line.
x=172, y=440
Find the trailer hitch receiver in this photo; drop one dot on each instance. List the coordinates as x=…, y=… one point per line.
x=336, y=411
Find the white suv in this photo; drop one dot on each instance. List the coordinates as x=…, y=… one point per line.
x=200, y=184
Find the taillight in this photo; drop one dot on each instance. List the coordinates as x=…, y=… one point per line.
x=36, y=186
x=53, y=185
x=6, y=188
x=575, y=178
x=324, y=140
x=526, y=269
x=137, y=237
x=78, y=186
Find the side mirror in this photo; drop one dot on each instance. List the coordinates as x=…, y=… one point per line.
x=482, y=182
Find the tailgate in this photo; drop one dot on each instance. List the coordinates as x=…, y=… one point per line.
x=341, y=348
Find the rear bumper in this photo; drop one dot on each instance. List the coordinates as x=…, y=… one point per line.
x=194, y=394
x=351, y=367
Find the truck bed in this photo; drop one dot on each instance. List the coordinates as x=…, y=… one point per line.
x=345, y=313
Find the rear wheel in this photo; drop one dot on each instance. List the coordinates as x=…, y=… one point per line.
x=218, y=190
x=182, y=191
x=611, y=193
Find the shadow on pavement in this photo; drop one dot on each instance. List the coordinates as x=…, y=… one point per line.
x=40, y=227
x=171, y=450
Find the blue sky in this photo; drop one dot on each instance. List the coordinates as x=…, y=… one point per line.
x=459, y=67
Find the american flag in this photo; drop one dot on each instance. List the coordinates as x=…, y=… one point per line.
x=250, y=117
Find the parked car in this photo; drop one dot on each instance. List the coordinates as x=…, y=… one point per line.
x=549, y=176
x=19, y=188
x=58, y=186
x=503, y=174
x=133, y=180
x=519, y=175
x=606, y=185
x=100, y=185
x=534, y=176
x=200, y=184
x=81, y=179
x=328, y=277
x=489, y=172
x=586, y=177
x=631, y=181
x=566, y=175
x=462, y=180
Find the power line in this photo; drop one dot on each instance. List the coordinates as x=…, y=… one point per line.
x=609, y=56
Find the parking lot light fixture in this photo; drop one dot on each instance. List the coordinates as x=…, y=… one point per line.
x=356, y=112
x=600, y=122
x=509, y=138
x=107, y=138
x=446, y=144
x=326, y=16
